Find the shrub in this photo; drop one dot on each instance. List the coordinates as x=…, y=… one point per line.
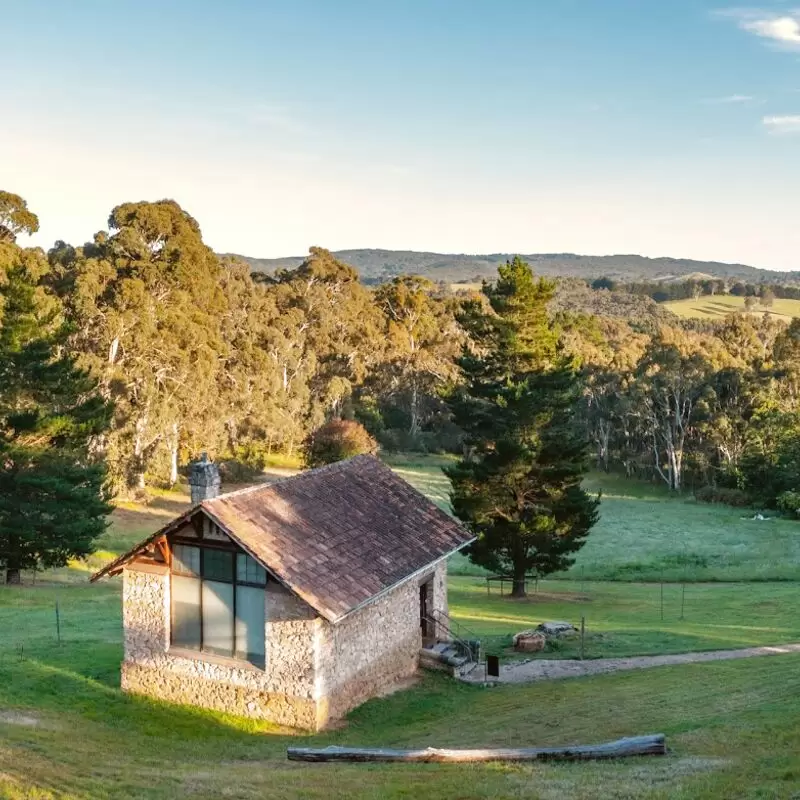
x=232, y=470
x=722, y=494
x=337, y=440
x=789, y=504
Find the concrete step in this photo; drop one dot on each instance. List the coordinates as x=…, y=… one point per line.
x=445, y=657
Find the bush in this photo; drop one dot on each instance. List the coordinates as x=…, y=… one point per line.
x=232, y=470
x=789, y=504
x=337, y=440
x=724, y=495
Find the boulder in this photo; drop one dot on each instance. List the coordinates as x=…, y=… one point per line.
x=557, y=630
x=529, y=642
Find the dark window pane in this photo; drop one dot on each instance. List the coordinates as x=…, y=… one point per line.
x=186, y=612
x=250, y=624
x=218, y=618
x=218, y=565
x=248, y=570
x=186, y=558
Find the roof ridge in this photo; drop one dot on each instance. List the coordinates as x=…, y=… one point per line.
x=297, y=476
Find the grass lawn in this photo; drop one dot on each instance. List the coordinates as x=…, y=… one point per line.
x=716, y=307
x=66, y=731
x=646, y=534
x=624, y=619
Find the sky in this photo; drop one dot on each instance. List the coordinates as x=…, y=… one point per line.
x=458, y=126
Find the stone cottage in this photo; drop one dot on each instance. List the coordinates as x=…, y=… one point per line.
x=292, y=602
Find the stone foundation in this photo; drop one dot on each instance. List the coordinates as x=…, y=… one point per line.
x=212, y=688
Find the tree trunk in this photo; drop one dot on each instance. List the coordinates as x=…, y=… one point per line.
x=13, y=576
x=173, y=455
x=414, y=410
x=518, y=583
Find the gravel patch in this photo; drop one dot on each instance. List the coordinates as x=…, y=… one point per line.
x=554, y=669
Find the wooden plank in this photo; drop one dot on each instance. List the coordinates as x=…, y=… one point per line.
x=651, y=745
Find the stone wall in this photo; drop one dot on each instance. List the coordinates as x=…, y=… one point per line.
x=314, y=673
x=376, y=647
x=283, y=692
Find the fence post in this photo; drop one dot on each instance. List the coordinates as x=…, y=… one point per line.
x=58, y=622
x=683, y=597
x=662, y=599
x=583, y=636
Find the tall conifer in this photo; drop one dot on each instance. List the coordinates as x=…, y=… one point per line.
x=518, y=486
x=53, y=501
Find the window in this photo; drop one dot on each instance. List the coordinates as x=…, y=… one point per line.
x=218, y=602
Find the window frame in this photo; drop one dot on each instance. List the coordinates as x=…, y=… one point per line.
x=215, y=545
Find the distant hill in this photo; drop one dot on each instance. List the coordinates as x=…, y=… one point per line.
x=377, y=266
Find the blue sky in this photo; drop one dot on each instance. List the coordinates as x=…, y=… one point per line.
x=591, y=126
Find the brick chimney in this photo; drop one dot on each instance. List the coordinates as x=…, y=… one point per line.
x=204, y=480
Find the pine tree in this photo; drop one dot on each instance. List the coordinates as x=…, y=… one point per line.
x=519, y=485
x=52, y=489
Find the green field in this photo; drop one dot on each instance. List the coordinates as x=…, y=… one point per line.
x=66, y=731
x=647, y=534
x=718, y=306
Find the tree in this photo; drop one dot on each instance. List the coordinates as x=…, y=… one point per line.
x=767, y=296
x=337, y=440
x=53, y=498
x=15, y=218
x=518, y=487
x=145, y=304
x=738, y=289
x=338, y=335
x=750, y=302
x=670, y=383
x=422, y=340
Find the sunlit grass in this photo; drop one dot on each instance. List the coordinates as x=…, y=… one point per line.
x=647, y=534
x=730, y=726
x=625, y=619
x=718, y=306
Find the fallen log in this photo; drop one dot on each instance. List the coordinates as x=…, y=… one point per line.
x=653, y=745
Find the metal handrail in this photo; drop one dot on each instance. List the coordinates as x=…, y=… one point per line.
x=459, y=625
x=460, y=644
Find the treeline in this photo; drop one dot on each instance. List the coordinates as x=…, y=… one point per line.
x=692, y=288
x=713, y=407
x=195, y=353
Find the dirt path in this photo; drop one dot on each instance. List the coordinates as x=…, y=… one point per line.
x=553, y=669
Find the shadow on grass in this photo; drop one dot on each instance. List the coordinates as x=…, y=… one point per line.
x=69, y=680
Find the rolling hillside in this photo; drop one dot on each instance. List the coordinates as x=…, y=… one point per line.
x=720, y=305
x=376, y=266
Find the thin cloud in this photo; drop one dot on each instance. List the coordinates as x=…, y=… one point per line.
x=782, y=125
x=731, y=99
x=780, y=28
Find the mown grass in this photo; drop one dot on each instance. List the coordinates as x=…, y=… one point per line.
x=719, y=306
x=66, y=730
x=625, y=619
x=647, y=534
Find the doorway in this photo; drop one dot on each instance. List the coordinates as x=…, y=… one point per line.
x=425, y=624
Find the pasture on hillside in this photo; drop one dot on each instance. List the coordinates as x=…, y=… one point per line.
x=718, y=306
x=647, y=534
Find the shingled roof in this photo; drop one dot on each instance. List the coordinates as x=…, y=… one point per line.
x=337, y=536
